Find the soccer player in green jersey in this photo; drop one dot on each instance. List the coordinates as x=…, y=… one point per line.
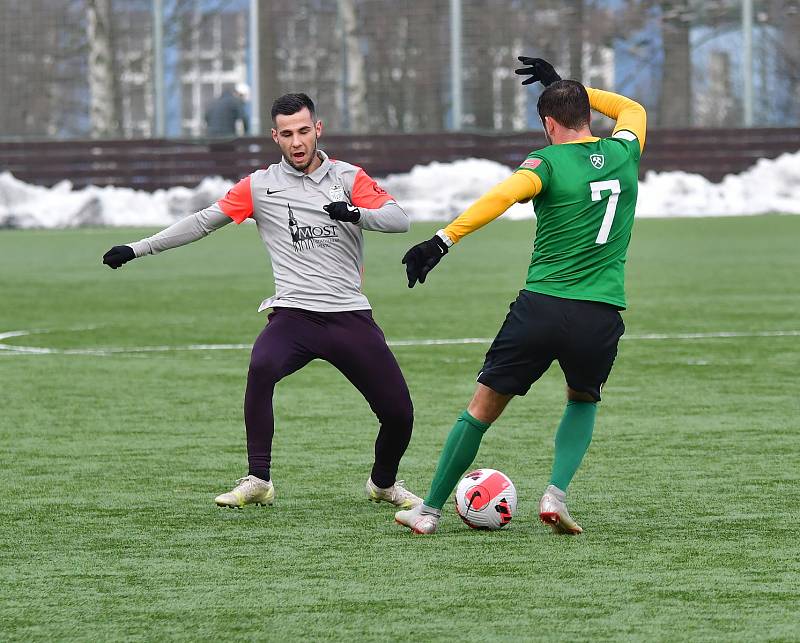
x=584, y=193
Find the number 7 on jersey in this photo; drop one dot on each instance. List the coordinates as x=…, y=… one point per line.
x=597, y=187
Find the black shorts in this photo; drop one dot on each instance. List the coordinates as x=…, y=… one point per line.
x=582, y=335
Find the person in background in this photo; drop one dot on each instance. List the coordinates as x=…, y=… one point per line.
x=226, y=111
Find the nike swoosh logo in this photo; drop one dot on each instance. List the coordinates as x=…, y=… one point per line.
x=269, y=192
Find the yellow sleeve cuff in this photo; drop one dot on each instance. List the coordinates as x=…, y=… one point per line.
x=521, y=186
x=629, y=114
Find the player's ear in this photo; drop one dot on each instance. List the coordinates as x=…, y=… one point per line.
x=274, y=135
x=318, y=127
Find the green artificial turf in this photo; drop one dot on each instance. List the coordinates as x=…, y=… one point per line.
x=109, y=463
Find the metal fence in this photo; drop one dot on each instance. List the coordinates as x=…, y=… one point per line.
x=152, y=164
x=152, y=68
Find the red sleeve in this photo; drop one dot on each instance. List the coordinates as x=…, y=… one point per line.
x=367, y=193
x=238, y=202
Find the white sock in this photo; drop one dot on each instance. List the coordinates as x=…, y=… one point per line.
x=555, y=491
x=431, y=511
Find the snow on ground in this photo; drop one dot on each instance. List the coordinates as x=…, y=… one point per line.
x=33, y=206
x=438, y=191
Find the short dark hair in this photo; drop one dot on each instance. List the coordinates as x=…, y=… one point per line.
x=567, y=102
x=289, y=104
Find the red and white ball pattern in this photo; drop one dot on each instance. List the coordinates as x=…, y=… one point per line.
x=486, y=499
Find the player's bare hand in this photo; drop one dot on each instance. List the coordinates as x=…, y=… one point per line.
x=422, y=258
x=117, y=256
x=538, y=69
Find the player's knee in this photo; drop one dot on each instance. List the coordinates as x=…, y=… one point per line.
x=483, y=412
x=399, y=414
x=487, y=404
x=405, y=416
x=264, y=369
x=581, y=396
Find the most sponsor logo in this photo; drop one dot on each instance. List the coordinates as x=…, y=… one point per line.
x=309, y=237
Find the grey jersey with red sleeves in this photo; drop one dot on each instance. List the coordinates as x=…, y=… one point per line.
x=317, y=262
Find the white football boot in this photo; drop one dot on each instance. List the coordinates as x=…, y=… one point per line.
x=553, y=512
x=397, y=495
x=420, y=519
x=248, y=491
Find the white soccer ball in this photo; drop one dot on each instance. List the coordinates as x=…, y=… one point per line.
x=486, y=499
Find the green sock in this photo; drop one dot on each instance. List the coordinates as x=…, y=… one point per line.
x=458, y=453
x=572, y=440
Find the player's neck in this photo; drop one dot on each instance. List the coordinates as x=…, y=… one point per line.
x=314, y=164
x=565, y=135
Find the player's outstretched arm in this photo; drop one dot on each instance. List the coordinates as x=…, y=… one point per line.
x=520, y=187
x=191, y=228
x=236, y=205
x=423, y=257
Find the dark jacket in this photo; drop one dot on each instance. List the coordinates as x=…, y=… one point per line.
x=222, y=114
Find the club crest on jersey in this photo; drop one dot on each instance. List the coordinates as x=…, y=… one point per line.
x=598, y=160
x=336, y=192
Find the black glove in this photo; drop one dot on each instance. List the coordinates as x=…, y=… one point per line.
x=538, y=69
x=118, y=255
x=422, y=258
x=342, y=211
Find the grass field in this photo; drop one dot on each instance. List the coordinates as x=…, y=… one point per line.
x=109, y=463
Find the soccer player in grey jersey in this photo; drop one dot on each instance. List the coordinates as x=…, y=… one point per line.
x=310, y=212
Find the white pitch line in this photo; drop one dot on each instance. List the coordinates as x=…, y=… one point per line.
x=18, y=333
x=646, y=336
x=438, y=342
x=7, y=349
x=722, y=334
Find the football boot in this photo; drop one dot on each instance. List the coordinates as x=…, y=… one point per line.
x=397, y=495
x=248, y=491
x=553, y=512
x=420, y=519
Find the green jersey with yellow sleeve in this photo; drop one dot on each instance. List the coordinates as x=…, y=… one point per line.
x=584, y=216
x=584, y=195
